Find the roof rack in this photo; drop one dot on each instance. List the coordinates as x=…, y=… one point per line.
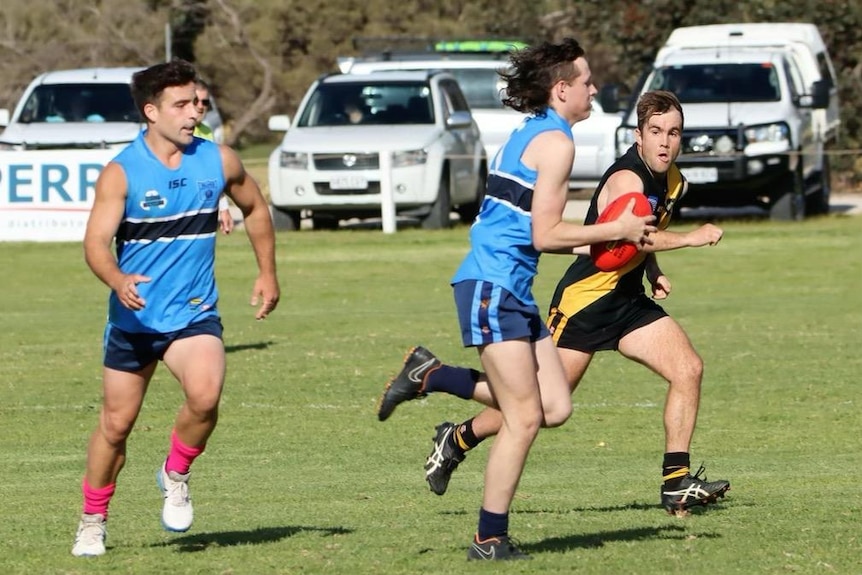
x=405, y=45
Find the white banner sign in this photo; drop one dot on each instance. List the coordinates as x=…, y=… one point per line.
x=46, y=195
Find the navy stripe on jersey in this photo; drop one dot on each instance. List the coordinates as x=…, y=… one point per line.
x=194, y=224
x=511, y=190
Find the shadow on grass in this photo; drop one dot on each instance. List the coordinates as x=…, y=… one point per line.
x=596, y=540
x=247, y=346
x=633, y=506
x=203, y=541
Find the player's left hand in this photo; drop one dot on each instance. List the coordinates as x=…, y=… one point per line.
x=225, y=221
x=660, y=287
x=707, y=234
x=266, y=293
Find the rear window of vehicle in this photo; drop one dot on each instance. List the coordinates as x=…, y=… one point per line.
x=752, y=82
x=80, y=103
x=482, y=87
x=341, y=104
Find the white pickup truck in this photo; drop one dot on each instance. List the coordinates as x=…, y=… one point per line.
x=761, y=104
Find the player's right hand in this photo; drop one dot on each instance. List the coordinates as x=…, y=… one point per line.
x=127, y=291
x=634, y=228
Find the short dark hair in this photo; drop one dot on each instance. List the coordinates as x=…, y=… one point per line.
x=536, y=69
x=148, y=84
x=656, y=102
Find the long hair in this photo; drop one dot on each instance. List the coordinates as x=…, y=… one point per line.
x=535, y=70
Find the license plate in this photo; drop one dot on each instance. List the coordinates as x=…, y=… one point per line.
x=349, y=183
x=700, y=175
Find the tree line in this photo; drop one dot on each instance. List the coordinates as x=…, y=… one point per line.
x=261, y=55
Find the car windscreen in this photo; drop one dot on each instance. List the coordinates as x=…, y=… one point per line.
x=692, y=84
x=364, y=103
x=80, y=103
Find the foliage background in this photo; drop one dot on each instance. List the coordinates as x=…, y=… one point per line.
x=261, y=55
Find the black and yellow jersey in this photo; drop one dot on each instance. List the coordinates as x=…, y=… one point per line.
x=584, y=285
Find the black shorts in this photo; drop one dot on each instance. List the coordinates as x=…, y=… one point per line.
x=132, y=352
x=600, y=327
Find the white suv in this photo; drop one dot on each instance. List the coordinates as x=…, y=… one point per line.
x=85, y=108
x=476, y=72
x=328, y=165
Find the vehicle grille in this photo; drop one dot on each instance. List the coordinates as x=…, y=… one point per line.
x=346, y=161
x=323, y=189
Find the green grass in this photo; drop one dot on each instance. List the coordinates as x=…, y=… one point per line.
x=300, y=477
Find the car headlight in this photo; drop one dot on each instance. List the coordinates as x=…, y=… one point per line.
x=625, y=139
x=294, y=160
x=409, y=158
x=768, y=133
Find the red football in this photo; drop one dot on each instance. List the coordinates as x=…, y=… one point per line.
x=611, y=256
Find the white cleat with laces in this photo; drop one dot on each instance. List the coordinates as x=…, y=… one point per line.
x=177, y=512
x=90, y=539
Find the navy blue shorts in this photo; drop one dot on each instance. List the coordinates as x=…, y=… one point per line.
x=133, y=352
x=489, y=313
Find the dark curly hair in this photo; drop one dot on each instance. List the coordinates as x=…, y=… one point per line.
x=535, y=70
x=148, y=85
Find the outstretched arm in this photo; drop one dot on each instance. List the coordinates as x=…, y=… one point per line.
x=551, y=155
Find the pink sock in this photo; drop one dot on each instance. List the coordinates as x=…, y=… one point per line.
x=181, y=456
x=96, y=500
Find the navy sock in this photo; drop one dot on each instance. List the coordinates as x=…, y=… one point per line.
x=492, y=524
x=458, y=381
x=464, y=439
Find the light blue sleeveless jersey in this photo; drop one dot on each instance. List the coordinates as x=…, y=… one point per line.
x=168, y=232
x=501, y=238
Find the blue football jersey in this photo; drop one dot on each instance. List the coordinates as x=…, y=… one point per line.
x=501, y=240
x=168, y=232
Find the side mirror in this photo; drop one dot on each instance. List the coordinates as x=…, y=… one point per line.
x=459, y=120
x=609, y=98
x=4, y=117
x=280, y=123
x=819, y=97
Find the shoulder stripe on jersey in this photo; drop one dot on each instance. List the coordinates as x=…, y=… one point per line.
x=508, y=176
x=508, y=204
x=510, y=191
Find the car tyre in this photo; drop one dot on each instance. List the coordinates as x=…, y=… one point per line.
x=467, y=212
x=790, y=205
x=438, y=216
x=818, y=203
x=285, y=220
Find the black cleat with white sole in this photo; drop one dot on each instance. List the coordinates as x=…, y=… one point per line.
x=692, y=491
x=409, y=383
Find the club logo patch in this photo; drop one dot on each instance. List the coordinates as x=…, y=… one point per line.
x=153, y=199
x=208, y=190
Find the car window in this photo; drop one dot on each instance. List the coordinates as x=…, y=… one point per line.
x=455, y=100
x=794, y=79
x=825, y=69
x=481, y=86
x=346, y=103
x=749, y=82
x=80, y=103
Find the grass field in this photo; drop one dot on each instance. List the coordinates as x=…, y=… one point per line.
x=300, y=477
